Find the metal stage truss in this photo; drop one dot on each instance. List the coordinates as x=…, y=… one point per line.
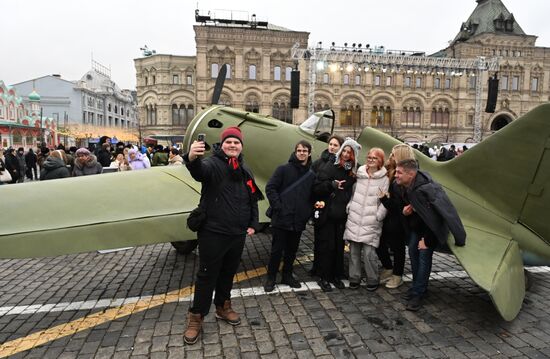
x=398, y=61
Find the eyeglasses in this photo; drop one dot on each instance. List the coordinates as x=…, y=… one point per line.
x=372, y=158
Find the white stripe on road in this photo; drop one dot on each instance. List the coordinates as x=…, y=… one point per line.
x=235, y=293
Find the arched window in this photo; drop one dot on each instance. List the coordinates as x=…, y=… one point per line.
x=411, y=117
x=358, y=79
x=251, y=104
x=437, y=83
x=281, y=109
x=11, y=112
x=440, y=115
x=277, y=73
x=346, y=79
x=214, y=71
x=252, y=72
x=350, y=112
x=151, y=115
x=381, y=116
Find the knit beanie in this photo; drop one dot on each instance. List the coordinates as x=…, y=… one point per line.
x=234, y=132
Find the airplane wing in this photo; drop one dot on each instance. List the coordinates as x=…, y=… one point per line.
x=105, y=211
x=494, y=263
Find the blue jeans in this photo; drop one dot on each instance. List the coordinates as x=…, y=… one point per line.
x=421, y=265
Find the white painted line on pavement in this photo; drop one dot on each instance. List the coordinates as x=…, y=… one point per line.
x=235, y=293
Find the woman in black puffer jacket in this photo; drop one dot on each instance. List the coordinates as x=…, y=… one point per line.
x=55, y=166
x=334, y=186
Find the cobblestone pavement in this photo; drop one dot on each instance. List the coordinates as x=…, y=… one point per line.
x=133, y=304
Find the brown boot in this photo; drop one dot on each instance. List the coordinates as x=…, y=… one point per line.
x=194, y=325
x=227, y=313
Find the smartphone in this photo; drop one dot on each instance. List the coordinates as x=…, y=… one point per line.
x=201, y=137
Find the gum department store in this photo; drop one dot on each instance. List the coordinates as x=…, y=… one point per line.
x=416, y=105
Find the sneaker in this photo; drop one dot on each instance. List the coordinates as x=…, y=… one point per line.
x=291, y=281
x=269, y=285
x=394, y=282
x=338, y=284
x=325, y=285
x=372, y=287
x=386, y=275
x=353, y=285
x=414, y=304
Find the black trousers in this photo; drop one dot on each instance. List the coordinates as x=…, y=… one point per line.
x=284, y=244
x=219, y=257
x=330, y=264
x=397, y=244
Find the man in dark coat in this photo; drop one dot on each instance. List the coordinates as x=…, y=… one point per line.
x=229, y=195
x=22, y=165
x=30, y=161
x=430, y=215
x=289, y=194
x=12, y=165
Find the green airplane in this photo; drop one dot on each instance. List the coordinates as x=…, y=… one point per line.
x=500, y=187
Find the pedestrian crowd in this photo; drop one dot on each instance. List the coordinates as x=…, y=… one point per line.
x=376, y=204
x=47, y=163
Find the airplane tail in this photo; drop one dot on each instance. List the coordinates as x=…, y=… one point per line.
x=509, y=172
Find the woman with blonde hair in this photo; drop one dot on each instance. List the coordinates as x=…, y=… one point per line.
x=393, y=230
x=365, y=216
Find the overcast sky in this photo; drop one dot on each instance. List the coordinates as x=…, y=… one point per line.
x=42, y=37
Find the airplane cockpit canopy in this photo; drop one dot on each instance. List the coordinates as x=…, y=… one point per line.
x=320, y=124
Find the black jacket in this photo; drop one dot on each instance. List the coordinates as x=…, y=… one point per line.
x=435, y=209
x=324, y=189
x=230, y=209
x=54, y=168
x=12, y=165
x=104, y=157
x=30, y=159
x=325, y=158
x=394, y=222
x=292, y=210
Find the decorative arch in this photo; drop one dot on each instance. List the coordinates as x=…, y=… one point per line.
x=411, y=115
x=351, y=108
x=252, y=102
x=280, y=108
x=322, y=102
x=225, y=99
x=382, y=111
x=500, y=120
x=441, y=113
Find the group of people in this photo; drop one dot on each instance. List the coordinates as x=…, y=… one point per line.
x=380, y=206
x=47, y=164
x=442, y=153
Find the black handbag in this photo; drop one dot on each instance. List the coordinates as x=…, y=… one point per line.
x=197, y=217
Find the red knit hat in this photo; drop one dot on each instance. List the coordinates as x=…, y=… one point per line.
x=232, y=132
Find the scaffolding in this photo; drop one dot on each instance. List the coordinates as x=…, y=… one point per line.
x=396, y=61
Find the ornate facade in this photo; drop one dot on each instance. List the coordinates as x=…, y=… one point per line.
x=416, y=105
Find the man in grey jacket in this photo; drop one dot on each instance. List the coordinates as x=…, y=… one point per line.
x=429, y=217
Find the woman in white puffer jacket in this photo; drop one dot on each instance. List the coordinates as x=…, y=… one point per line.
x=365, y=217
